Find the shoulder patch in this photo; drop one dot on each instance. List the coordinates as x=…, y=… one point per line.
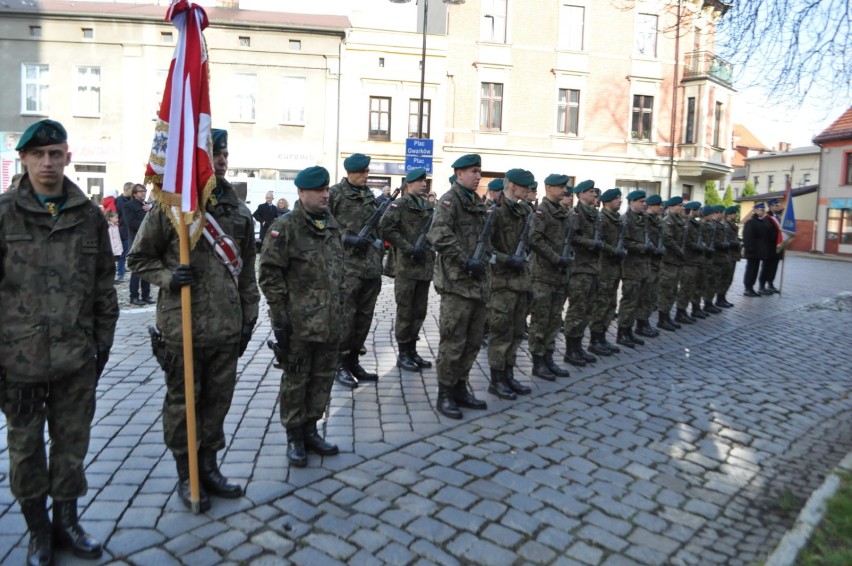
x=446, y=203
x=538, y=213
x=274, y=233
x=394, y=205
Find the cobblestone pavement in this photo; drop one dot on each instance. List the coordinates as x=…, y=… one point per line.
x=698, y=448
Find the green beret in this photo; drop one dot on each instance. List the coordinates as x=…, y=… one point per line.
x=495, y=185
x=597, y=192
x=654, y=200
x=415, y=175
x=469, y=160
x=534, y=186
x=220, y=139
x=635, y=195
x=706, y=210
x=569, y=191
x=584, y=186
x=452, y=179
x=692, y=205
x=356, y=163
x=555, y=179
x=312, y=178
x=720, y=208
x=45, y=132
x=610, y=194
x=520, y=177
x=674, y=201
x=732, y=210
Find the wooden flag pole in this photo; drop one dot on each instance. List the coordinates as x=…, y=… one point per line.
x=188, y=370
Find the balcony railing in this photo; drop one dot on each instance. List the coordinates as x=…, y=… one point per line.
x=705, y=65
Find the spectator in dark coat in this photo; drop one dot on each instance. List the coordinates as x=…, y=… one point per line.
x=134, y=214
x=122, y=199
x=266, y=214
x=759, y=238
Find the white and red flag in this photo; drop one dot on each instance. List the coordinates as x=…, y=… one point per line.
x=180, y=165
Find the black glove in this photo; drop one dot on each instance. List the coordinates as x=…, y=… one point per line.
x=101, y=359
x=417, y=255
x=245, y=336
x=182, y=276
x=660, y=251
x=356, y=242
x=515, y=262
x=597, y=245
x=475, y=267
x=282, y=329
x=564, y=261
x=650, y=247
x=620, y=252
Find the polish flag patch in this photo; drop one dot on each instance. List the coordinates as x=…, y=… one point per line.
x=538, y=213
x=394, y=205
x=274, y=233
x=446, y=203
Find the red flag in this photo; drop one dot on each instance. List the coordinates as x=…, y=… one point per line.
x=180, y=166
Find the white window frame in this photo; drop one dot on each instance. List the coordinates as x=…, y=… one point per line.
x=646, y=38
x=492, y=100
x=294, y=104
x=572, y=27
x=87, y=86
x=568, y=105
x=493, y=21
x=245, y=97
x=652, y=111
x=42, y=86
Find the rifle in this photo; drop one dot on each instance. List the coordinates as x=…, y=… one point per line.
x=485, y=233
x=649, y=245
x=711, y=247
x=725, y=243
x=685, y=235
x=620, y=251
x=521, y=249
x=568, y=242
x=661, y=244
x=699, y=243
x=597, y=237
x=358, y=241
x=422, y=242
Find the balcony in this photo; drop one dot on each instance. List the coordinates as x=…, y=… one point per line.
x=705, y=65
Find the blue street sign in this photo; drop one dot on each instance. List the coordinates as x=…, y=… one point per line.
x=418, y=153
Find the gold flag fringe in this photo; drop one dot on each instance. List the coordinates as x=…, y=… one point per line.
x=170, y=205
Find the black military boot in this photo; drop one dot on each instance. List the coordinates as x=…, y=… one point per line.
x=598, y=345
x=573, y=355
x=40, y=548
x=644, y=328
x=590, y=359
x=633, y=338
x=404, y=359
x=212, y=479
x=554, y=369
x=708, y=307
x=623, y=337
x=541, y=370
x=67, y=532
x=697, y=312
x=683, y=317
x=316, y=443
x=764, y=291
x=412, y=351
x=750, y=292
x=358, y=372
x=722, y=302
x=499, y=387
x=447, y=403
x=771, y=287
x=296, y=454
x=664, y=321
x=465, y=398
x=342, y=374
x=514, y=384
x=182, y=464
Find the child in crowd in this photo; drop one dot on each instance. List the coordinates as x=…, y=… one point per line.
x=114, y=236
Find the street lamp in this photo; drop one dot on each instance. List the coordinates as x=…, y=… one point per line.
x=423, y=57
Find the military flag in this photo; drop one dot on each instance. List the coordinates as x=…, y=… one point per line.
x=787, y=227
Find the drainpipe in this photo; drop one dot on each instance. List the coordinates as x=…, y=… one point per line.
x=674, y=97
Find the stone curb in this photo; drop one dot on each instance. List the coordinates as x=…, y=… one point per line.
x=809, y=518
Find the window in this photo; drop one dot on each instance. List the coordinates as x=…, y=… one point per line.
x=414, y=118
x=493, y=21
x=687, y=193
x=756, y=181
x=568, y=112
x=166, y=37
x=806, y=178
x=245, y=96
x=380, y=118
x=642, y=114
x=87, y=101
x=490, y=106
x=35, y=86
x=245, y=41
x=689, y=137
x=646, y=35
x=571, y=22
x=35, y=31
x=295, y=44
x=295, y=96
x=770, y=180
x=88, y=33
x=381, y=61
x=847, y=174
x=650, y=187
x=717, y=126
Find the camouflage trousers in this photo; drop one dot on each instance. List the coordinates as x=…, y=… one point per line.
x=359, y=302
x=461, y=323
x=306, y=382
x=412, y=299
x=545, y=316
x=603, y=305
x=726, y=277
x=215, y=371
x=689, y=290
x=67, y=405
x=712, y=277
x=648, y=303
x=667, y=291
x=633, y=292
x=581, y=293
x=507, y=315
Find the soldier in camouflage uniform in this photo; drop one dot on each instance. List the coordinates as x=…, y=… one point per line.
x=301, y=271
x=635, y=271
x=549, y=270
x=691, y=273
x=462, y=281
x=605, y=299
x=584, y=280
x=351, y=202
x=674, y=242
x=59, y=313
x=722, y=258
x=732, y=233
x=402, y=225
x=507, y=309
x=225, y=307
x=712, y=238
x=654, y=219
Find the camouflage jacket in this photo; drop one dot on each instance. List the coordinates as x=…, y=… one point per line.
x=401, y=225
x=547, y=236
x=610, y=229
x=710, y=237
x=56, y=285
x=733, y=233
x=351, y=207
x=586, y=258
x=509, y=219
x=657, y=237
x=635, y=264
x=301, y=274
x=674, y=236
x=721, y=243
x=694, y=242
x=459, y=217
x=220, y=306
